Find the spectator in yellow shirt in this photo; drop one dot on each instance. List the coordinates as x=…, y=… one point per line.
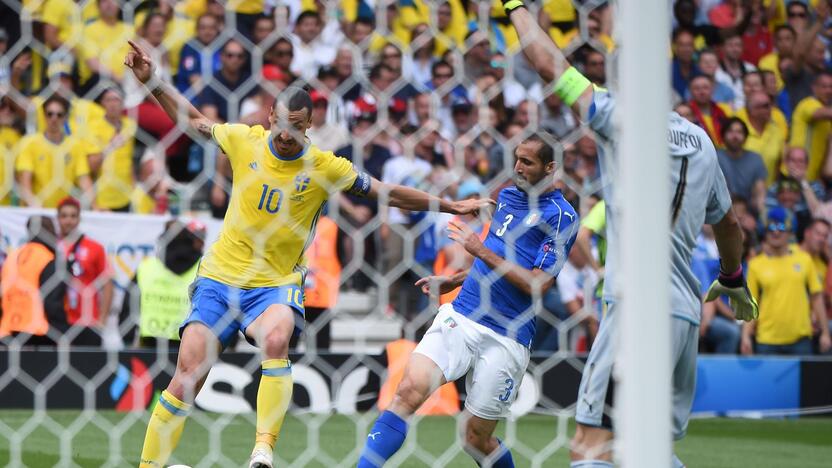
x=112, y=170
x=784, y=40
x=50, y=164
x=812, y=123
x=246, y=15
x=764, y=135
x=61, y=24
x=9, y=136
x=784, y=280
x=104, y=44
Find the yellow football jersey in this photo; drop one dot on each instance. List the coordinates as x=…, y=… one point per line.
x=65, y=15
x=55, y=168
x=8, y=139
x=114, y=182
x=275, y=203
x=783, y=286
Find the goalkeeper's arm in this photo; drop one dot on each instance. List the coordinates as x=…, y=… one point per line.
x=547, y=58
x=731, y=281
x=729, y=238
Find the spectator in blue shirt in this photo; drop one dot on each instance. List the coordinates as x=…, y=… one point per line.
x=191, y=69
x=231, y=78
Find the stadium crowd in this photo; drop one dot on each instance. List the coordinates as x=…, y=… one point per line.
x=426, y=98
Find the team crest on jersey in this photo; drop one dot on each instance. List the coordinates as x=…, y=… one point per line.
x=532, y=219
x=253, y=165
x=450, y=322
x=797, y=267
x=301, y=182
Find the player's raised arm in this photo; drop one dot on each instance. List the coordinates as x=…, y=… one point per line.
x=547, y=58
x=174, y=104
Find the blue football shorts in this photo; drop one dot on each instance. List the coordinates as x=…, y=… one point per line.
x=226, y=309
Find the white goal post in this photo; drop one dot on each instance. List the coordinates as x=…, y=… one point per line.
x=643, y=363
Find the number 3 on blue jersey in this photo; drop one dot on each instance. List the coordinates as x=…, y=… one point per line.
x=268, y=201
x=504, y=227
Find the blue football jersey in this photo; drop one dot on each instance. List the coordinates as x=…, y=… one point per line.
x=530, y=233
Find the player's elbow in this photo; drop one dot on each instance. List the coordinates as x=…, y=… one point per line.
x=539, y=284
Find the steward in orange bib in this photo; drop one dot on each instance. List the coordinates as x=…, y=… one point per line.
x=32, y=296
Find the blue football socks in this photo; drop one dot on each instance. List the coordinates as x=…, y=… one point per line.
x=385, y=439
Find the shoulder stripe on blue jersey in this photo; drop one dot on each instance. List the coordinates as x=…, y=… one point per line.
x=559, y=241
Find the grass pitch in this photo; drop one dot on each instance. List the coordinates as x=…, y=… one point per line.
x=107, y=438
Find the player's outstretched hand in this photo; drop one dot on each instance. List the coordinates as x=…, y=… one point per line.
x=435, y=285
x=473, y=206
x=462, y=234
x=140, y=62
x=744, y=305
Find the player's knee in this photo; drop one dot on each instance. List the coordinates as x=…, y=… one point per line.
x=409, y=396
x=276, y=343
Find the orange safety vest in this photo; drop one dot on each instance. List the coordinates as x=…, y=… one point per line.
x=22, y=302
x=441, y=267
x=324, y=276
x=444, y=401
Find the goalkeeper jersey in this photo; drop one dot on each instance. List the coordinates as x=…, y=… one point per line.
x=699, y=192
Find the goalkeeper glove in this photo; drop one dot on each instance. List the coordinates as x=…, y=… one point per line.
x=733, y=285
x=511, y=5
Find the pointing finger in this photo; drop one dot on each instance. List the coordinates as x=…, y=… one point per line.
x=135, y=46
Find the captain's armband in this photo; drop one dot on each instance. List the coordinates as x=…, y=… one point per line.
x=571, y=85
x=361, y=186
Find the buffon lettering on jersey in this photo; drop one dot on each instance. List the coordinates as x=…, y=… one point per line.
x=683, y=139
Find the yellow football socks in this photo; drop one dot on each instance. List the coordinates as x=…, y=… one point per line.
x=163, y=430
x=273, y=399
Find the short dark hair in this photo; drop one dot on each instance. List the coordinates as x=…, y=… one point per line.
x=707, y=51
x=546, y=153
x=295, y=98
x=438, y=64
x=375, y=72
x=732, y=121
x=821, y=74
x=792, y=3
x=819, y=221
x=785, y=27
x=679, y=31
x=308, y=14
x=109, y=87
x=752, y=73
x=263, y=17
x=729, y=34
x=56, y=98
x=366, y=21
